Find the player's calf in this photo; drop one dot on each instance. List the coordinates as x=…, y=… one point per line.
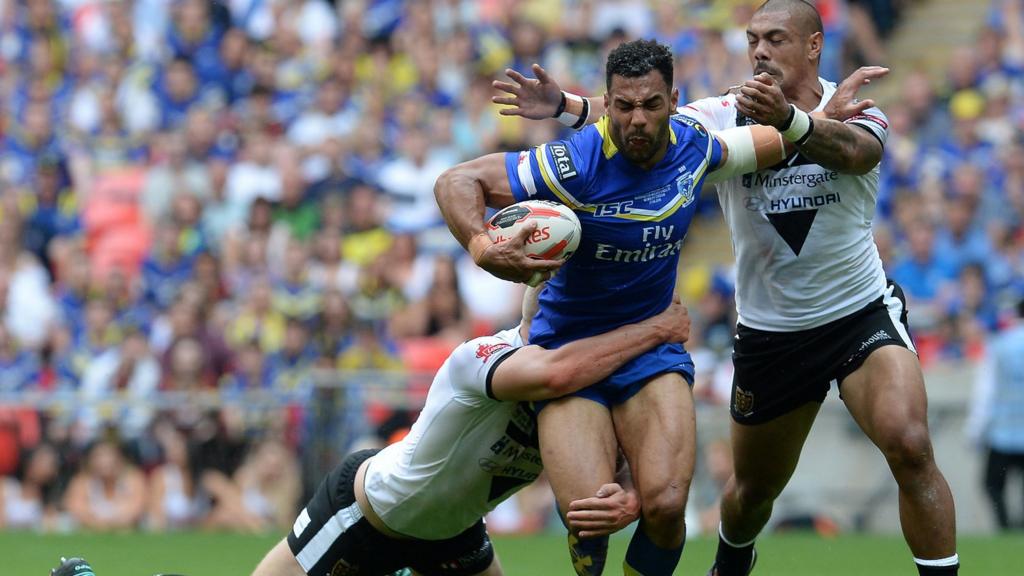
x=588, y=554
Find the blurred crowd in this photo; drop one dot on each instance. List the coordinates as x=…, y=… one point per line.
x=203, y=203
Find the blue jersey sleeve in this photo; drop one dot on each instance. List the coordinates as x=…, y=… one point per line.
x=558, y=171
x=702, y=141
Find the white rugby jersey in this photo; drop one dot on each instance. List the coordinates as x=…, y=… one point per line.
x=801, y=233
x=465, y=454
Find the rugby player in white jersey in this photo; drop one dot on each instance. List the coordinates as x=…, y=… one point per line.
x=815, y=307
x=419, y=503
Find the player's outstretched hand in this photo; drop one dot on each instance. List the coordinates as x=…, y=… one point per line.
x=533, y=98
x=610, y=510
x=508, y=261
x=761, y=99
x=843, y=104
x=674, y=321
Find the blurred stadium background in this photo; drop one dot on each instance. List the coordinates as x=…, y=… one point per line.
x=221, y=265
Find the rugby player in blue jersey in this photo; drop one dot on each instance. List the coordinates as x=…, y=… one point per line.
x=632, y=179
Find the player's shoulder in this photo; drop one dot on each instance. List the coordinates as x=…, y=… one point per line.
x=711, y=103
x=688, y=126
x=714, y=112
x=577, y=155
x=473, y=354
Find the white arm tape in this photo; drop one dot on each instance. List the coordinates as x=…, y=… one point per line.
x=741, y=157
x=566, y=117
x=799, y=127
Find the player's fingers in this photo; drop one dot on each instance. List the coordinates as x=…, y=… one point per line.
x=593, y=533
x=541, y=74
x=541, y=265
x=607, y=490
x=516, y=76
x=750, y=91
x=872, y=72
x=862, y=106
x=587, y=518
x=765, y=78
x=511, y=111
x=755, y=85
x=505, y=87
x=506, y=100
x=596, y=525
x=520, y=237
x=577, y=506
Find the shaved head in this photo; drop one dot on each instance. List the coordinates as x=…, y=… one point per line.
x=803, y=14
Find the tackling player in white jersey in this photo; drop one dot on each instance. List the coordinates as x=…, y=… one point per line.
x=419, y=503
x=814, y=304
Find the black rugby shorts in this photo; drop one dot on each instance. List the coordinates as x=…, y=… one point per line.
x=331, y=537
x=777, y=372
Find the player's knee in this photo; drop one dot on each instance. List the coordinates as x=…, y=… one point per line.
x=754, y=494
x=665, y=506
x=908, y=448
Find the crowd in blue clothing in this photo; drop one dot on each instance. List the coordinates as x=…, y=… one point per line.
x=246, y=186
x=951, y=200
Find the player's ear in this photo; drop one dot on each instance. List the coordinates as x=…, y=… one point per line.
x=674, y=99
x=815, y=43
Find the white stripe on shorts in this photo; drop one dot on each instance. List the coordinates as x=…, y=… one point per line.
x=895, y=308
x=312, y=552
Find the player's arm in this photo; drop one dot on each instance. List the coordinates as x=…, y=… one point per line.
x=542, y=97
x=535, y=373
x=747, y=149
x=463, y=193
x=840, y=146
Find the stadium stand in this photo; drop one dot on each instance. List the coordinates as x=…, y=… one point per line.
x=217, y=221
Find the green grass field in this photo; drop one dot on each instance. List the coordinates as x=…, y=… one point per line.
x=202, y=554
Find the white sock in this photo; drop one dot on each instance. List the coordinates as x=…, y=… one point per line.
x=951, y=561
x=729, y=542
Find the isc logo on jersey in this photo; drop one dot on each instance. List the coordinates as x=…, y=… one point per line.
x=613, y=208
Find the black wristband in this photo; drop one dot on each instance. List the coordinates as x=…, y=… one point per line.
x=583, y=115
x=561, y=106
x=810, y=130
x=789, y=121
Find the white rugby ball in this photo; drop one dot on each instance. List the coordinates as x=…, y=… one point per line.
x=558, y=229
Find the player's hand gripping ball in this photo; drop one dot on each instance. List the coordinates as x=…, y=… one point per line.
x=558, y=229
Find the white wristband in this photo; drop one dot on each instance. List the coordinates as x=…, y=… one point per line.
x=798, y=127
x=567, y=118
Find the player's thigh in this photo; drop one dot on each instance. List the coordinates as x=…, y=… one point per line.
x=577, y=443
x=656, y=429
x=279, y=562
x=886, y=397
x=765, y=455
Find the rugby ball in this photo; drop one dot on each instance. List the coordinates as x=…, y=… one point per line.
x=558, y=229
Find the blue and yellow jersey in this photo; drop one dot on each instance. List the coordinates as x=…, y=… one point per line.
x=634, y=221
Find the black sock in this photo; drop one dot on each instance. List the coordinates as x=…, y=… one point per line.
x=732, y=560
x=949, y=566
